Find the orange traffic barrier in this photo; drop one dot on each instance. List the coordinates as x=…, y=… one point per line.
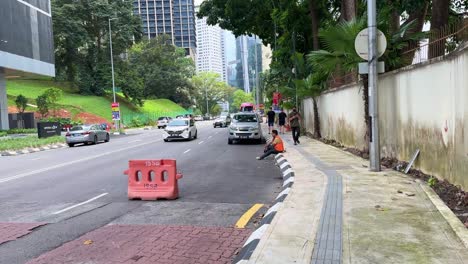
x=153, y=179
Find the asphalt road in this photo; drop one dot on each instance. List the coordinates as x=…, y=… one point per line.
x=76, y=190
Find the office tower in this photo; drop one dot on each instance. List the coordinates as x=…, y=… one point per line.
x=175, y=18
x=210, y=48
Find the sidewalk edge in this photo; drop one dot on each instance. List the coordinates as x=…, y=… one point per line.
x=460, y=230
x=254, y=239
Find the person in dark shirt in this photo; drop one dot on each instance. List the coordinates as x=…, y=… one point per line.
x=282, y=120
x=294, y=121
x=271, y=120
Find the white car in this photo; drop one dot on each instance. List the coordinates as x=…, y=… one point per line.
x=163, y=121
x=245, y=126
x=182, y=128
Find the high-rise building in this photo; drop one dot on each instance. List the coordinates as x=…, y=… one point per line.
x=175, y=18
x=26, y=44
x=245, y=63
x=210, y=48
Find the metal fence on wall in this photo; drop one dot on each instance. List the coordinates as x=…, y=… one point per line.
x=440, y=42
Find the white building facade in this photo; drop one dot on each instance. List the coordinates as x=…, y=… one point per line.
x=210, y=49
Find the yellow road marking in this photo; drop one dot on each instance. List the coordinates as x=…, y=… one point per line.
x=245, y=218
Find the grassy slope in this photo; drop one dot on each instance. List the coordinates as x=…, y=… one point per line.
x=93, y=104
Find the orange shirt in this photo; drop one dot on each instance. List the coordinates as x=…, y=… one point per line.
x=279, y=146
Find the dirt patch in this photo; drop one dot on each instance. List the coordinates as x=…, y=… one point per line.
x=88, y=118
x=453, y=196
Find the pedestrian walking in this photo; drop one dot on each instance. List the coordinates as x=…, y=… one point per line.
x=271, y=120
x=274, y=147
x=282, y=120
x=295, y=121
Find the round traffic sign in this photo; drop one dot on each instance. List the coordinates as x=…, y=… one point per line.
x=361, y=44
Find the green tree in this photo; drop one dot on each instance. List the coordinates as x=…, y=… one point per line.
x=81, y=37
x=163, y=69
x=53, y=95
x=21, y=103
x=43, y=105
x=240, y=97
x=209, y=88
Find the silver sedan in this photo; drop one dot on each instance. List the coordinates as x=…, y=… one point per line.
x=87, y=134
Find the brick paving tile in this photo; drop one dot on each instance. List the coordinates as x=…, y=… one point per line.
x=150, y=244
x=13, y=231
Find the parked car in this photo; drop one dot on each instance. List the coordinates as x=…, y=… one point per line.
x=86, y=134
x=222, y=121
x=180, y=129
x=245, y=126
x=198, y=118
x=163, y=121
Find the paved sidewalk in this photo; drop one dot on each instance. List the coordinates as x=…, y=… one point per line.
x=144, y=244
x=13, y=231
x=351, y=215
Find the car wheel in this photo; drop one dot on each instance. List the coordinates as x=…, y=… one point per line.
x=196, y=135
x=71, y=145
x=95, y=140
x=166, y=140
x=230, y=141
x=107, y=138
x=189, y=136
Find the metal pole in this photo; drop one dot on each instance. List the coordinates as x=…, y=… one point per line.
x=116, y=122
x=374, y=144
x=295, y=67
x=257, y=88
x=206, y=96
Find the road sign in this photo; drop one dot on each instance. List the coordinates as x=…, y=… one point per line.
x=361, y=44
x=115, y=111
x=364, y=67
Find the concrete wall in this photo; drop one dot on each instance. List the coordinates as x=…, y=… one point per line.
x=421, y=107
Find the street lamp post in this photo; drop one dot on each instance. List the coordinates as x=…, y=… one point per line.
x=374, y=148
x=116, y=122
x=257, y=85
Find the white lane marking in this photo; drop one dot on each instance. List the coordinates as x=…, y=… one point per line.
x=201, y=142
x=36, y=159
x=133, y=141
x=22, y=175
x=187, y=151
x=76, y=205
x=217, y=132
x=210, y=137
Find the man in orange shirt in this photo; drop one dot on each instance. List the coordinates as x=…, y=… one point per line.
x=274, y=147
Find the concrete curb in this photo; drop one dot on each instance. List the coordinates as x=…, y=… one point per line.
x=460, y=230
x=252, y=242
x=32, y=150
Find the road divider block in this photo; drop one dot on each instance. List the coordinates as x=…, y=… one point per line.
x=151, y=180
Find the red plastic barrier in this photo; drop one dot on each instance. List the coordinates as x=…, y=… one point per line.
x=153, y=179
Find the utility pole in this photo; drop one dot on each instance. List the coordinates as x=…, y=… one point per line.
x=374, y=144
x=295, y=67
x=116, y=122
x=257, y=83
x=206, y=96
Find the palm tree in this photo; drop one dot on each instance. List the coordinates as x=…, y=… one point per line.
x=339, y=56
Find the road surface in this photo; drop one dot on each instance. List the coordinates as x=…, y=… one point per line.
x=73, y=191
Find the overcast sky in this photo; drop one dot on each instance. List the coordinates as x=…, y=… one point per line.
x=197, y=2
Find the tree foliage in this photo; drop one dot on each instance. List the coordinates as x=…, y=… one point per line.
x=209, y=88
x=42, y=105
x=21, y=103
x=157, y=69
x=239, y=97
x=81, y=36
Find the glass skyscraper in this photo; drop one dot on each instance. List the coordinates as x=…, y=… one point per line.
x=175, y=18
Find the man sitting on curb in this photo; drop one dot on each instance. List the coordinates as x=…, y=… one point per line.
x=274, y=147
